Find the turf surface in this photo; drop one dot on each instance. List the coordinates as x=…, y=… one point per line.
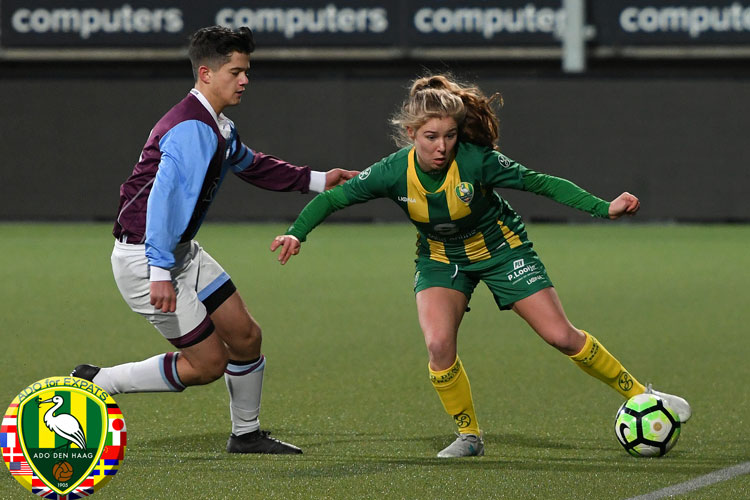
x=346, y=378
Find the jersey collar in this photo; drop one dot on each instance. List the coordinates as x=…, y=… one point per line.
x=224, y=123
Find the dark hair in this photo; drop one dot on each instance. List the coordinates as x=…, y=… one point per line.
x=443, y=95
x=213, y=46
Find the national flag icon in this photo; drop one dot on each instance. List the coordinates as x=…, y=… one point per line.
x=13, y=455
x=117, y=431
x=8, y=439
x=20, y=468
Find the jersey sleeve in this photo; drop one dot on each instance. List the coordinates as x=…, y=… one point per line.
x=371, y=183
x=368, y=185
x=186, y=151
x=565, y=192
x=503, y=172
x=318, y=210
x=499, y=171
x=266, y=171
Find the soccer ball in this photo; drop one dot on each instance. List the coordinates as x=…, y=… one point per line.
x=646, y=426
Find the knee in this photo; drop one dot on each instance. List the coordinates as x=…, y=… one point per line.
x=568, y=341
x=243, y=338
x=212, y=367
x=249, y=336
x=442, y=354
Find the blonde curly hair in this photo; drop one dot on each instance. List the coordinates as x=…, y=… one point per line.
x=441, y=95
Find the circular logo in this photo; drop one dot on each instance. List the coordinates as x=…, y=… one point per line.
x=365, y=173
x=625, y=381
x=63, y=437
x=503, y=160
x=462, y=420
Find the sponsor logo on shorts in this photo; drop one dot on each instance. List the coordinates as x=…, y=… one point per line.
x=465, y=192
x=66, y=434
x=523, y=271
x=534, y=279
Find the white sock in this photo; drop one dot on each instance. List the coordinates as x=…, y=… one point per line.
x=245, y=383
x=155, y=374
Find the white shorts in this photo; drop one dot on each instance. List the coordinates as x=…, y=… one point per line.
x=200, y=282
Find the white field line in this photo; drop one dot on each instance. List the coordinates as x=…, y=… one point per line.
x=698, y=482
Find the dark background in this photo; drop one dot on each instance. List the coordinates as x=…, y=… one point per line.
x=672, y=132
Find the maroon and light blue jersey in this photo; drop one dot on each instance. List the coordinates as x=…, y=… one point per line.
x=183, y=163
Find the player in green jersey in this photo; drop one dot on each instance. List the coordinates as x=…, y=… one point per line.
x=444, y=179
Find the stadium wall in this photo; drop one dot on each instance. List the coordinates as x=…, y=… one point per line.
x=68, y=142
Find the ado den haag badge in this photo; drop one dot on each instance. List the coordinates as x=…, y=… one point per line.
x=63, y=438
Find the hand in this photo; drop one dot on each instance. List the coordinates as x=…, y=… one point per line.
x=289, y=244
x=625, y=204
x=163, y=296
x=337, y=176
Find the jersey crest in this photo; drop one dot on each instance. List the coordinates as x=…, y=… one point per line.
x=465, y=192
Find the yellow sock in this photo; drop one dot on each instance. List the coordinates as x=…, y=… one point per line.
x=595, y=360
x=452, y=386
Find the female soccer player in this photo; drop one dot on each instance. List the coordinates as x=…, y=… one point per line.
x=444, y=180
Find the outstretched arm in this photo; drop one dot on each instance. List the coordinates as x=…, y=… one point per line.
x=270, y=172
x=565, y=192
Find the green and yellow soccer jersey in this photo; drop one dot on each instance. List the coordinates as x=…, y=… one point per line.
x=462, y=220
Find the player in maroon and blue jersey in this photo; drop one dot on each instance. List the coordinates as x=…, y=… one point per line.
x=165, y=275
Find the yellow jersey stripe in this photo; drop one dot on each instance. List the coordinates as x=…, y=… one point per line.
x=437, y=251
x=511, y=237
x=457, y=208
x=476, y=248
x=418, y=210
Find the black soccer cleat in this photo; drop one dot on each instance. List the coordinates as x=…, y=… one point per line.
x=86, y=372
x=259, y=442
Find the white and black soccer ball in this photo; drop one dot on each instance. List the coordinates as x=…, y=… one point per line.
x=646, y=426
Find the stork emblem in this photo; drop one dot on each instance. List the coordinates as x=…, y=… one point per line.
x=64, y=425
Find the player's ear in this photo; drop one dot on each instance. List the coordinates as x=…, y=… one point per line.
x=411, y=133
x=204, y=74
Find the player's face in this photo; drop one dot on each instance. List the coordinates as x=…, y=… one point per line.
x=228, y=83
x=435, y=142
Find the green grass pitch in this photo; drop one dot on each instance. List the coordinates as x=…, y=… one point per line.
x=347, y=368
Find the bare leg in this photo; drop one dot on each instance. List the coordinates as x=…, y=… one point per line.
x=544, y=313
